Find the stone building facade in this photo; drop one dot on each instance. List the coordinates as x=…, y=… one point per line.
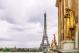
x=74, y=6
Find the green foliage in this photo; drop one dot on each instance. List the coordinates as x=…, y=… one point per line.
x=5, y=49
x=19, y=50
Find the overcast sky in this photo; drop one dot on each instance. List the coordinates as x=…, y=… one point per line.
x=21, y=22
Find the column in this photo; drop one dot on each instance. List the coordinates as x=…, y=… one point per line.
x=76, y=37
x=69, y=4
x=78, y=23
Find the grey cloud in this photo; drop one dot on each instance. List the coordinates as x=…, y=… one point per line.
x=28, y=37
x=36, y=19
x=18, y=29
x=5, y=17
x=5, y=39
x=10, y=20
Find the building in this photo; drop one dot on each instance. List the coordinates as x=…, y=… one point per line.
x=62, y=5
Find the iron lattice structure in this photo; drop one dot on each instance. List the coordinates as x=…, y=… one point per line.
x=45, y=43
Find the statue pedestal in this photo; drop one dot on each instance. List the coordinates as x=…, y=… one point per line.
x=68, y=46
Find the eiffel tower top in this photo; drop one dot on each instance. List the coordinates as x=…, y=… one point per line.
x=45, y=26
x=45, y=14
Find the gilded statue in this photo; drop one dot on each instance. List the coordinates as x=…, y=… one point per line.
x=70, y=24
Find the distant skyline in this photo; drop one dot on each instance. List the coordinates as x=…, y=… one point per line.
x=21, y=22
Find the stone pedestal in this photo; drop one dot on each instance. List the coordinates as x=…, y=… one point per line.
x=68, y=46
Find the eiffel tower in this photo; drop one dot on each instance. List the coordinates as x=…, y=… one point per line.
x=45, y=43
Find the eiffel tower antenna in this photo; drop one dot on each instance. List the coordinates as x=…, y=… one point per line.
x=45, y=43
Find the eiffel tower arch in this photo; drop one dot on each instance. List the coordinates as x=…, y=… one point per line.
x=45, y=43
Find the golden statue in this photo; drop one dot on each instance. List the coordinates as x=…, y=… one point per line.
x=70, y=24
x=54, y=43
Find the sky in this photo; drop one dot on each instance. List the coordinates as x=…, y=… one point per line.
x=21, y=22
